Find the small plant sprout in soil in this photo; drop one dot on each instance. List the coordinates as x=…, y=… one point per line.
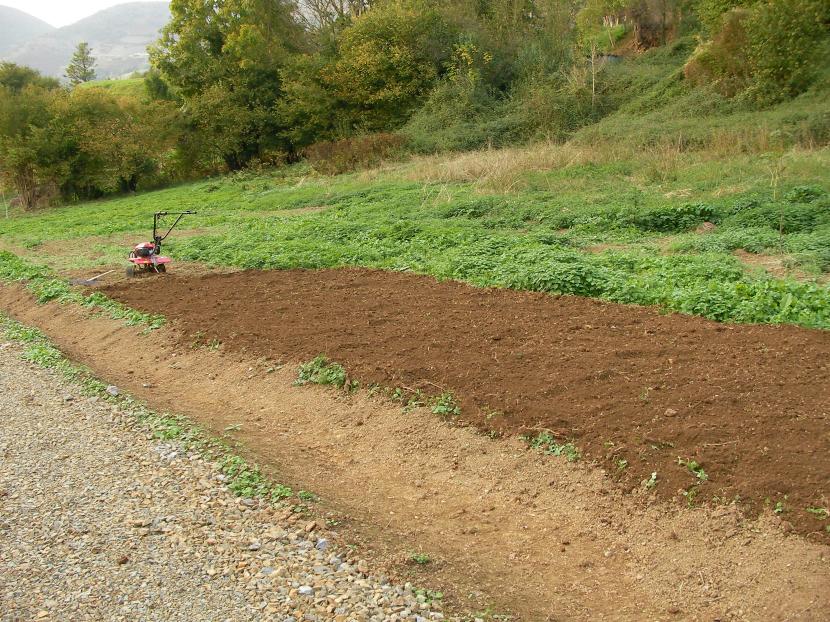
x=694, y=468
x=446, y=405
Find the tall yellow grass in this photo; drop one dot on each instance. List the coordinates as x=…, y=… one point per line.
x=509, y=169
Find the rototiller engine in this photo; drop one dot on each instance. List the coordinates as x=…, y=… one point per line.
x=147, y=257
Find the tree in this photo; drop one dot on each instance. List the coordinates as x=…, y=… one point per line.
x=82, y=67
x=29, y=152
x=224, y=58
x=16, y=77
x=390, y=59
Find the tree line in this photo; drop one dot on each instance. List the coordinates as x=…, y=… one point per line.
x=240, y=83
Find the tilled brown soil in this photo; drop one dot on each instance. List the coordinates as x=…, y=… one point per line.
x=634, y=389
x=507, y=529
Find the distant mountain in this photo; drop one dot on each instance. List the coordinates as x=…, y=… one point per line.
x=17, y=27
x=118, y=36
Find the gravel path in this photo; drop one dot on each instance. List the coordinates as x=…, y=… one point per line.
x=100, y=522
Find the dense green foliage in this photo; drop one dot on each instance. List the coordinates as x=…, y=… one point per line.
x=84, y=143
x=223, y=58
x=14, y=78
x=766, y=51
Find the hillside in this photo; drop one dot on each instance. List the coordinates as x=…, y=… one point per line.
x=17, y=27
x=119, y=37
x=125, y=87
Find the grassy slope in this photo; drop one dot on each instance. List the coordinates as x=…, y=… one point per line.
x=654, y=104
x=123, y=87
x=445, y=217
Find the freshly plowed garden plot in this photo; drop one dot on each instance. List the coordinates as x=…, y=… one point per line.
x=714, y=410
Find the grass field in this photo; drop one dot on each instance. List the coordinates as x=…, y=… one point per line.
x=630, y=227
x=123, y=87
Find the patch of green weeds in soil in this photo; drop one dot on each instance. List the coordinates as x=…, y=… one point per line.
x=551, y=446
x=778, y=507
x=321, y=371
x=446, y=405
x=428, y=596
x=651, y=482
x=694, y=468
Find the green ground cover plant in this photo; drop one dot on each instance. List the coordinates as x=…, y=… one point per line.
x=587, y=223
x=551, y=446
x=321, y=371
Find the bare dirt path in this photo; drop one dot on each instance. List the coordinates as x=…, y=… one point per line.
x=98, y=522
x=504, y=527
x=640, y=391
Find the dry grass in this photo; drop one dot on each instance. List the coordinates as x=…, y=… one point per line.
x=506, y=170
x=511, y=169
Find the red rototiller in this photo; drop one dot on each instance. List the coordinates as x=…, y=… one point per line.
x=147, y=257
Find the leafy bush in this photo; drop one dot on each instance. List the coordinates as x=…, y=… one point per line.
x=773, y=50
x=783, y=217
x=389, y=59
x=675, y=218
x=804, y=194
x=723, y=62
x=713, y=12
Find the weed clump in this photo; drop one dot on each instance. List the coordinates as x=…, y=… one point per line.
x=321, y=371
x=446, y=405
x=551, y=446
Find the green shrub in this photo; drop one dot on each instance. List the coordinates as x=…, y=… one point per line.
x=321, y=371
x=390, y=57
x=671, y=218
x=787, y=46
x=723, y=62
x=713, y=12
x=783, y=217
x=804, y=194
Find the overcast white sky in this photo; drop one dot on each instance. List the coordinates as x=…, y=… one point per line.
x=61, y=12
